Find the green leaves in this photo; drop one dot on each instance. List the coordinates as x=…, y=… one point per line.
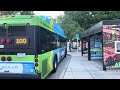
x=26, y=13
x=8, y=12
x=16, y=13
x=70, y=26
x=75, y=22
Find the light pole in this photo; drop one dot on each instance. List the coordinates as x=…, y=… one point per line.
x=77, y=37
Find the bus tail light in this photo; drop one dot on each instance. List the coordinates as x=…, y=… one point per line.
x=36, y=71
x=3, y=41
x=6, y=16
x=3, y=58
x=9, y=58
x=13, y=16
x=32, y=16
x=9, y=41
x=36, y=56
x=36, y=60
x=36, y=64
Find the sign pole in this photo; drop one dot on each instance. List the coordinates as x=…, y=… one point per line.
x=77, y=37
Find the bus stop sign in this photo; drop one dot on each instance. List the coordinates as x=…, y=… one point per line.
x=77, y=36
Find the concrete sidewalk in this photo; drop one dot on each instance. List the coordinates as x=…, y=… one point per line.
x=80, y=68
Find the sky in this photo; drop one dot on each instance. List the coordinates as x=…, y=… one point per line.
x=53, y=14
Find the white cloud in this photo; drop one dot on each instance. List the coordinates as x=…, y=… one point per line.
x=53, y=14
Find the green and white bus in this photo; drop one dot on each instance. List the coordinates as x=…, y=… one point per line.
x=30, y=46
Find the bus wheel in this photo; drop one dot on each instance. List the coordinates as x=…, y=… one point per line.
x=55, y=65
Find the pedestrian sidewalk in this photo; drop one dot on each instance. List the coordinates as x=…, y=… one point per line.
x=80, y=68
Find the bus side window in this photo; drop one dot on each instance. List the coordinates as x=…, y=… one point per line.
x=48, y=35
x=52, y=41
x=43, y=40
x=48, y=44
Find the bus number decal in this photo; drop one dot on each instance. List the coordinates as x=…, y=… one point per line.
x=21, y=40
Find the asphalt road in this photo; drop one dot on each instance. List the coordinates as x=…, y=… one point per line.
x=62, y=67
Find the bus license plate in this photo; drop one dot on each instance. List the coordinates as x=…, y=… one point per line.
x=21, y=55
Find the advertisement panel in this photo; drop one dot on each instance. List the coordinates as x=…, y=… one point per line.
x=96, y=46
x=111, y=45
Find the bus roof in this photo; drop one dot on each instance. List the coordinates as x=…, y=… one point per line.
x=43, y=21
x=56, y=28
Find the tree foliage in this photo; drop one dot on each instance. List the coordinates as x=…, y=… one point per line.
x=8, y=12
x=26, y=13
x=75, y=22
x=16, y=13
x=69, y=26
x=88, y=18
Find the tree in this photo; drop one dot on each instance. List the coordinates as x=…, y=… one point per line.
x=16, y=13
x=26, y=13
x=86, y=19
x=59, y=19
x=70, y=27
x=8, y=12
x=77, y=21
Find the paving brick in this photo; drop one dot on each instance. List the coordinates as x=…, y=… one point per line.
x=83, y=78
x=80, y=68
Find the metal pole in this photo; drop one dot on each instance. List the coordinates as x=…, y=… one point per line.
x=89, y=53
x=81, y=46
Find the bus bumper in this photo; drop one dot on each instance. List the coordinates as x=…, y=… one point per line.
x=20, y=76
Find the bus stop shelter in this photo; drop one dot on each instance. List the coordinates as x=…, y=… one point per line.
x=103, y=43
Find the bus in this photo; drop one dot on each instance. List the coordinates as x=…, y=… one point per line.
x=30, y=46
